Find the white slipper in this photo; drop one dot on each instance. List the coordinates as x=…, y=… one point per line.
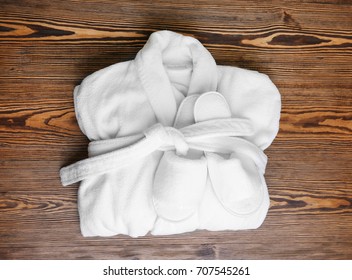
x=236, y=183
x=179, y=181
x=235, y=178
x=178, y=186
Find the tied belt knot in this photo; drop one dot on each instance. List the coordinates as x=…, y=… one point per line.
x=219, y=136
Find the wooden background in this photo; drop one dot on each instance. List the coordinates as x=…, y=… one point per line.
x=47, y=47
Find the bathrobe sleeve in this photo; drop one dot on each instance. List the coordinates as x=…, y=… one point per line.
x=252, y=95
x=111, y=103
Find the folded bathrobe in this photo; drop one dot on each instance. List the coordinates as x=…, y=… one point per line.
x=176, y=143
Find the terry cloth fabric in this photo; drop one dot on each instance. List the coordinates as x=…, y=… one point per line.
x=176, y=143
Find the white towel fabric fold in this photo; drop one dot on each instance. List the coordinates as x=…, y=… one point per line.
x=176, y=143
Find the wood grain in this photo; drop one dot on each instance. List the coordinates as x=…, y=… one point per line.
x=47, y=47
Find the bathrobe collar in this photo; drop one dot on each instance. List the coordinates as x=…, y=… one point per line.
x=151, y=70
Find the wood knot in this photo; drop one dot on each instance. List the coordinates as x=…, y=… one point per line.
x=290, y=21
x=206, y=252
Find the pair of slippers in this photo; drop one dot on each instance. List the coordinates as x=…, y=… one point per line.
x=236, y=177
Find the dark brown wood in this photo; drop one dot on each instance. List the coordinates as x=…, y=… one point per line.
x=47, y=47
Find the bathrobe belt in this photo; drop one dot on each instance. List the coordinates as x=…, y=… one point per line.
x=219, y=136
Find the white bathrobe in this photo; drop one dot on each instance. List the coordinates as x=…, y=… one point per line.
x=176, y=143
